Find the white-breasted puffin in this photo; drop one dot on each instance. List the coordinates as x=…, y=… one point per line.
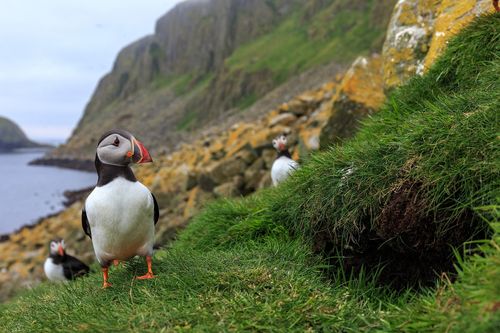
x=60, y=266
x=284, y=165
x=120, y=214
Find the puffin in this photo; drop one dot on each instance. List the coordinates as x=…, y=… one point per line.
x=60, y=266
x=284, y=165
x=120, y=213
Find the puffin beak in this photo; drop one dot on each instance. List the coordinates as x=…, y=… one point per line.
x=60, y=250
x=281, y=146
x=140, y=153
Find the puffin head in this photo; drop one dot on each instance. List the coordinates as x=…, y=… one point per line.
x=57, y=248
x=280, y=143
x=120, y=148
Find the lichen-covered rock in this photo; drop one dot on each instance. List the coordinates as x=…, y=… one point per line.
x=451, y=17
x=418, y=32
x=360, y=93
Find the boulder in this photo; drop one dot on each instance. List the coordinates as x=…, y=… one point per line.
x=253, y=174
x=226, y=190
x=418, y=32
x=285, y=119
x=225, y=170
x=360, y=93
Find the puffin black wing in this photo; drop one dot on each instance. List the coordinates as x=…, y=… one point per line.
x=85, y=223
x=73, y=268
x=157, y=210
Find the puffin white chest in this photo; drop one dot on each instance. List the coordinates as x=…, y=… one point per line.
x=120, y=216
x=282, y=168
x=54, y=272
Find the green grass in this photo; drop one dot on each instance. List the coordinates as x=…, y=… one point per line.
x=336, y=33
x=267, y=285
x=248, y=265
x=187, y=120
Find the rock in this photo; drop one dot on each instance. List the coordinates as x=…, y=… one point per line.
x=418, y=32
x=196, y=199
x=227, y=190
x=266, y=181
x=248, y=154
x=205, y=182
x=285, y=119
x=296, y=107
x=263, y=138
x=360, y=93
x=223, y=170
x=451, y=17
x=253, y=174
x=269, y=155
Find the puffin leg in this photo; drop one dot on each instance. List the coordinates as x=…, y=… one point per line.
x=149, y=274
x=116, y=262
x=105, y=283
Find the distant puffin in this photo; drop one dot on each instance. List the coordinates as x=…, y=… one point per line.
x=60, y=266
x=120, y=214
x=283, y=166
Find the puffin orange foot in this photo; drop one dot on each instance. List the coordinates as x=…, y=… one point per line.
x=116, y=262
x=146, y=276
x=106, y=285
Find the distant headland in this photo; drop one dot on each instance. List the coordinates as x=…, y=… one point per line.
x=13, y=137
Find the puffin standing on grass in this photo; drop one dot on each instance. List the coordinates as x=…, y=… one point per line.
x=120, y=214
x=60, y=266
x=284, y=165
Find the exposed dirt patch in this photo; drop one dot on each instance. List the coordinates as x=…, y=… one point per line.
x=407, y=245
x=407, y=225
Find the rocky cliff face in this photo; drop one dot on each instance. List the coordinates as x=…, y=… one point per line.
x=208, y=59
x=12, y=136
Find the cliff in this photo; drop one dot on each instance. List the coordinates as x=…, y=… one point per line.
x=13, y=137
x=208, y=62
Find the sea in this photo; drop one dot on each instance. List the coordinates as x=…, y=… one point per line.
x=29, y=192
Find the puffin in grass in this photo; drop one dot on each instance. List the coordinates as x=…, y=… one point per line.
x=60, y=266
x=120, y=214
x=284, y=165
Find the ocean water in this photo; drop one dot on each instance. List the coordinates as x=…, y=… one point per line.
x=29, y=192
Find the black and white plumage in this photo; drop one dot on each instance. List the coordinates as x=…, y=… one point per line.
x=284, y=165
x=60, y=266
x=120, y=213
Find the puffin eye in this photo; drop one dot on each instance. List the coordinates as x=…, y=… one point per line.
x=117, y=142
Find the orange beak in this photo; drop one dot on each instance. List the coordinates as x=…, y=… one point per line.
x=60, y=250
x=140, y=154
x=281, y=146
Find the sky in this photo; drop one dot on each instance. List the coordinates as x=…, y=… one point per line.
x=53, y=53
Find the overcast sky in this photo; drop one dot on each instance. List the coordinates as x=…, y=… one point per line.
x=53, y=52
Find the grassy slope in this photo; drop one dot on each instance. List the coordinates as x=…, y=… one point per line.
x=237, y=267
x=339, y=32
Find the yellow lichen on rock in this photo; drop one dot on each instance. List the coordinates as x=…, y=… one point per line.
x=452, y=16
x=418, y=33
x=359, y=94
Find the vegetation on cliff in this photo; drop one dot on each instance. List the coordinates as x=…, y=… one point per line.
x=165, y=89
x=12, y=136
x=420, y=176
